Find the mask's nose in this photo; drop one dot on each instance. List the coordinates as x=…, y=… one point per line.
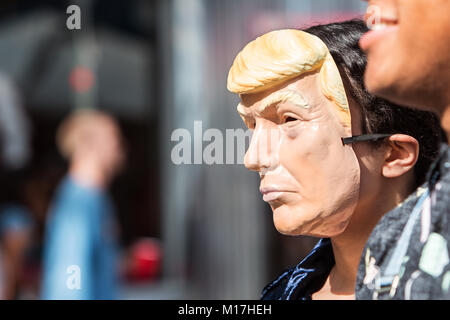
x=262, y=152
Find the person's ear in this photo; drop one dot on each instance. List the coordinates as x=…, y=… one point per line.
x=401, y=155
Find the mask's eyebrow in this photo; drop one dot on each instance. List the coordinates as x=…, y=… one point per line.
x=283, y=96
x=242, y=111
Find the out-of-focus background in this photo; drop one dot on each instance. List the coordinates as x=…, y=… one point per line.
x=190, y=231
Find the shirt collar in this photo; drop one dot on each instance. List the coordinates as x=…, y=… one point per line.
x=308, y=277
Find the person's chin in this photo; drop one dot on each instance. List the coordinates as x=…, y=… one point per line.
x=385, y=78
x=376, y=80
x=388, y=86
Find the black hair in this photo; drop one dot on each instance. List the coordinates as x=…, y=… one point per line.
x=378, y=115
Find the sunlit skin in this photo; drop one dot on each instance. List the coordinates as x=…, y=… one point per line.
x=315, y=185
x=409, y=60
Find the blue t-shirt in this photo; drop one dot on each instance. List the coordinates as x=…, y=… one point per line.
x=80, y=250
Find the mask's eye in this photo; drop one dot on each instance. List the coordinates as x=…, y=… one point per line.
x=289, y=119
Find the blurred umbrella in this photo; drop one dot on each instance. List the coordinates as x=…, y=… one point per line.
x=14, y=127
x=41, y=54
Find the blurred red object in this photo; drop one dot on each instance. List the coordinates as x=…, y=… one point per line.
x=81, y=79
x=145, y=264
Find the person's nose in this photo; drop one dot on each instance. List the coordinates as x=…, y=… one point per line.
x=260, y=154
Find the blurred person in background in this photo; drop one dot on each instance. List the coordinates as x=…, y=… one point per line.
x=80, y=249
x=16, y=227
x=317, y=182
x=408, y=254
x=16, y=222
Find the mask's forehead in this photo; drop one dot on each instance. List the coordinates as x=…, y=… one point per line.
x=282, y=55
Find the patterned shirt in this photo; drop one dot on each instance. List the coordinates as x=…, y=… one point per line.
x=407, y=254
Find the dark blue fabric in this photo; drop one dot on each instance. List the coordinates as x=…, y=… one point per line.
x=308, y=277
x=14, y=217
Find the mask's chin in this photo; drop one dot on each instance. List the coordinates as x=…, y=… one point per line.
x=288, y=222
x=316, y=220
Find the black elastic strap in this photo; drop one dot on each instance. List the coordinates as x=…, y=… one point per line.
x=365, y=137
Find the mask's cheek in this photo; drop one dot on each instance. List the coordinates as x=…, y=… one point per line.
x=328, y=178
x=343, y=195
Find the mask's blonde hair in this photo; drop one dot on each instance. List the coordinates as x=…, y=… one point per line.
x=282, y=55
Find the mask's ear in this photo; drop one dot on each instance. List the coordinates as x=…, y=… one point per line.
x=401, y=155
